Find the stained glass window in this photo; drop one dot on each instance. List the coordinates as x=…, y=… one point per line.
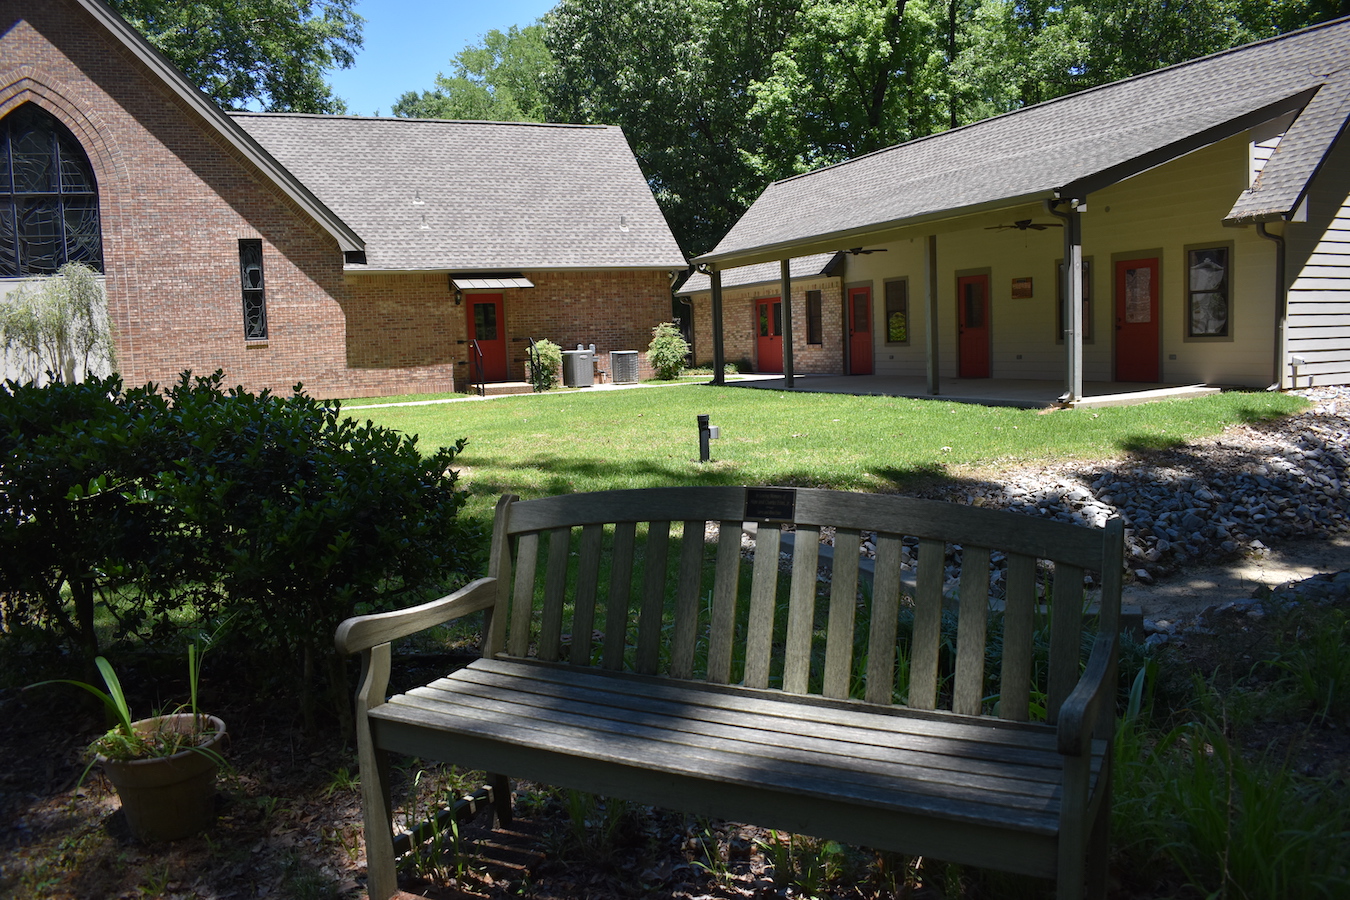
x=255, y=299
x=48, y=197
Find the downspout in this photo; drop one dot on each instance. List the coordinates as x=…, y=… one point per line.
x=1280, y=381
x=1072, y=297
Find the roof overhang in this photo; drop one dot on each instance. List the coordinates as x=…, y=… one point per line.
x=489, y=282
x=348, y=240
x=852, y=237
x=1080, y=188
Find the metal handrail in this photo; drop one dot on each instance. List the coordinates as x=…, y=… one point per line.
x=481, y=378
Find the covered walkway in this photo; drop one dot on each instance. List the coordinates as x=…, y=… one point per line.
x=1026, y=393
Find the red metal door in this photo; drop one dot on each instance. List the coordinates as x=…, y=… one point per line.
x=769, y=335
x=860, y=331
x=1137, y=352
x=972, y=326
x=487, y=328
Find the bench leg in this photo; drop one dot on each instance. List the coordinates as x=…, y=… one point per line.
x=1073, y=828
x=501, y=799
x=1099, y=846
x=378, y=822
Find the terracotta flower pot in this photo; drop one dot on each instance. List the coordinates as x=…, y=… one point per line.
x=169, y=797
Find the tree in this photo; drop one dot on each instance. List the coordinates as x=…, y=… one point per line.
x=676, y=75
x=58, y=326
x=268, y=53
x=500, y=80
x=853, y=77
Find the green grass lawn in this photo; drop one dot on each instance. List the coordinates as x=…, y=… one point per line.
x=536, y=446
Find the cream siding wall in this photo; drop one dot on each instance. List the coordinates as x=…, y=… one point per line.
x=1168, y=208
x=1178, y=205
x=1318, y=264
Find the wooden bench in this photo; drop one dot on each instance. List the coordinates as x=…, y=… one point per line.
x=625, y=654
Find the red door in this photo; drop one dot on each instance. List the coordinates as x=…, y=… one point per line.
x=769, y=335
x=860, y=331
x=487, y=329
x=1137, y=353
x=972, y=326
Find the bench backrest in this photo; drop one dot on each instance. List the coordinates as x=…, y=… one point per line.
x=629, y=576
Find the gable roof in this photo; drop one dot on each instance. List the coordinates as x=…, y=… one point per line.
x=216, y=119
x=433, y=195
x=1066, y=147
x=769, y=273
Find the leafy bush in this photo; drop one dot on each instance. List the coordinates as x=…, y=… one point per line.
x=76, y=461
x=275, y=512
x=668, y=352
x=544, y=376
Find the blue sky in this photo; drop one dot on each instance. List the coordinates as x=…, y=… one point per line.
x=408, y=41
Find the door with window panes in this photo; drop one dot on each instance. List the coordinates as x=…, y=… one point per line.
x=487, y=330
x=769, y=335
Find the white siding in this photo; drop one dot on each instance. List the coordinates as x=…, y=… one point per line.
x=1319, y=271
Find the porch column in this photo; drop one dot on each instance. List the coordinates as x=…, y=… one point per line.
x=930, y=271
x=719, y=355
x=785, y=295
x=1073, y=299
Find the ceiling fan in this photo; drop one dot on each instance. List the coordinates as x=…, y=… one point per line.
x=1024, y=224
x=856, y=250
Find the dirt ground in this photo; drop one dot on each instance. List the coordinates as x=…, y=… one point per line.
x=289, y=812
x=1189, y=592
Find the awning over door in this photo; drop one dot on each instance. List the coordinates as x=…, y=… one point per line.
x=489, y=282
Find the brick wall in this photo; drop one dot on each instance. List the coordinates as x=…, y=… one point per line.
x=175, y=198
x=739, y=326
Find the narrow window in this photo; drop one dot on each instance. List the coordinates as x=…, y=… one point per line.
x=897, y=312
x=813, y=335
x=48, y=198
x=1060, y=299
x=255, y=300
x=1207, y=298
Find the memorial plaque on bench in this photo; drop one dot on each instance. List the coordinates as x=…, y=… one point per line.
x=770, y=504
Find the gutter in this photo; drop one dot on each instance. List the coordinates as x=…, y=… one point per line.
x=1281, y=308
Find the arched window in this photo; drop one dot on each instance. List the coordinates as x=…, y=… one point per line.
x=48, y=197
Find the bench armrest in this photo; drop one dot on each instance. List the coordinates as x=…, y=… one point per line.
x=1082, y=707
x=360, y=633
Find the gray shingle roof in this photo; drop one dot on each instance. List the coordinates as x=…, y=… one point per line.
x=476, y=196
x=1073, y=144
x=763, y=273
x=1285, y=178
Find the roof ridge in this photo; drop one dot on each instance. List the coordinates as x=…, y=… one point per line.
x=242, y=113
x=1342, y=20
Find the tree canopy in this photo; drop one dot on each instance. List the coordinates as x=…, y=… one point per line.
x=268, y=54
x=500, y=80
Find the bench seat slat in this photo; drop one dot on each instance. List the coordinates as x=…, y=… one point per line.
x=703, y=756
x=846, y=713
x=640, y=740
x=1017, y=772
x=782, y=718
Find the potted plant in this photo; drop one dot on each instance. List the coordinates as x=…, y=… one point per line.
x=164, y=767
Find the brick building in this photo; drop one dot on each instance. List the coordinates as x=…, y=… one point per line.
x=359, y=256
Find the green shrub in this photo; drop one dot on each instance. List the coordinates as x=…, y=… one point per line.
x=275, y=513
x=544, y=376
x=668, y=352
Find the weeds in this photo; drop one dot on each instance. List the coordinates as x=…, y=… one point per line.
x=1233, y=825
